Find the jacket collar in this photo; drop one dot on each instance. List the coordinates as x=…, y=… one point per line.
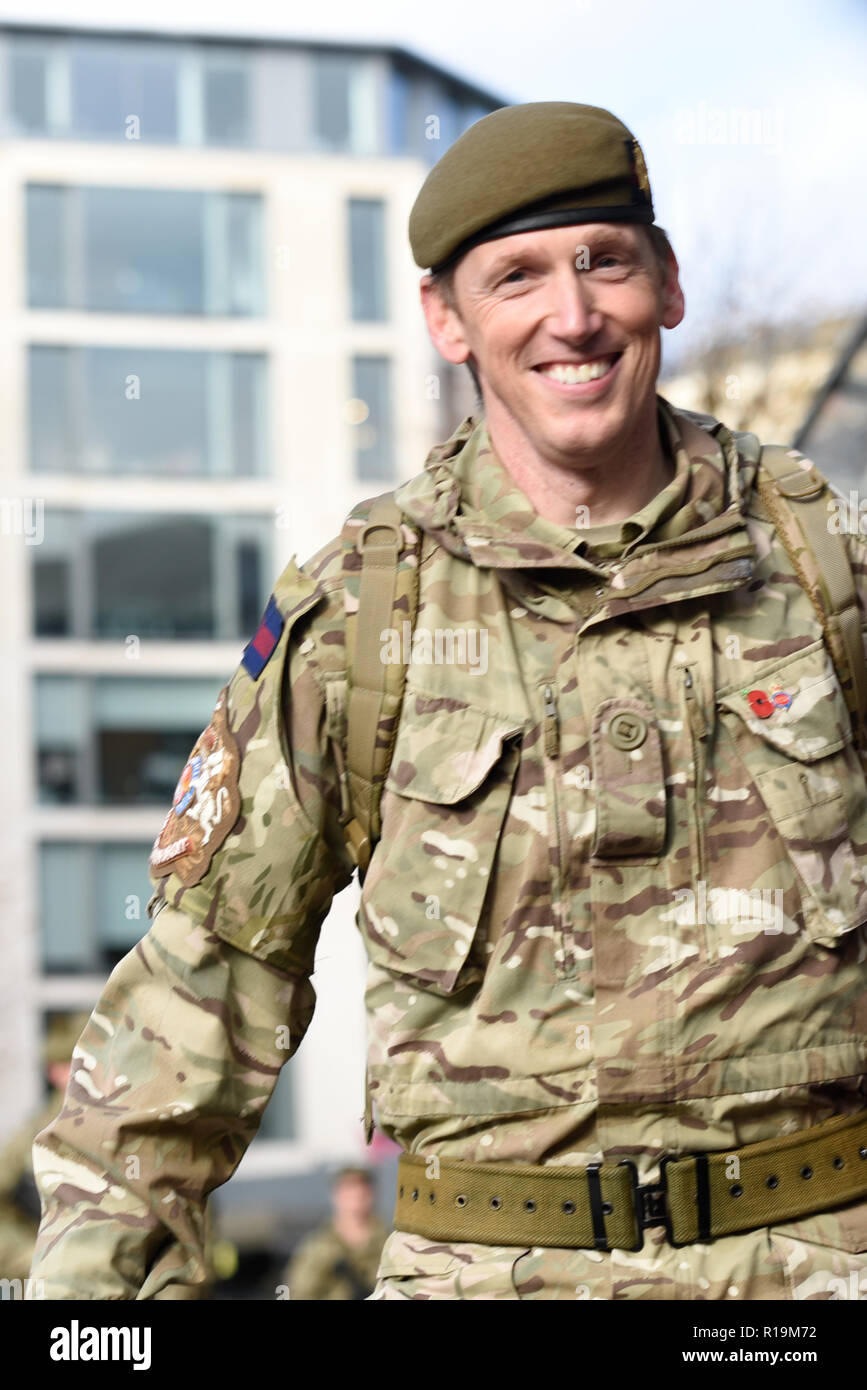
x=691, y=537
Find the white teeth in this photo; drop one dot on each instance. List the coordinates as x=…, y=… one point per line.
x=571, y=374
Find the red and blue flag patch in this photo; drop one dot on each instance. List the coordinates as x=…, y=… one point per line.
x=260, y=648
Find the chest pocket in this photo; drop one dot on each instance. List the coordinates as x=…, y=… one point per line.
x=803, y=765
x=444, y=803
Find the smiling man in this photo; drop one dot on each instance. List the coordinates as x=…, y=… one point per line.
x=566, y=338
x=613, y=888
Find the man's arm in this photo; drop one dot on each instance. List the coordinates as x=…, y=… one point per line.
x=172, y=1073
x=181, y=1054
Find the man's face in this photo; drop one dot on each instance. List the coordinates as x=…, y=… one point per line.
x=353, y=1198
x=533, y=308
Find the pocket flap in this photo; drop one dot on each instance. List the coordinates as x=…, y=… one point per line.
x=444, y=749
x=813, y=724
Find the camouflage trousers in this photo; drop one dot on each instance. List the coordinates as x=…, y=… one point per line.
x=819, y=1257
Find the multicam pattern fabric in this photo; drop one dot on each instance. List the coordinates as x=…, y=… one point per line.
x=578, y=950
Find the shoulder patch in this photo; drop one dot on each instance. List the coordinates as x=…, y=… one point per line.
x=260, y=648
x=205, y=804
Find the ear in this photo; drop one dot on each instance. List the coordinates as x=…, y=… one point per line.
x=672, y=296
x=443, y=323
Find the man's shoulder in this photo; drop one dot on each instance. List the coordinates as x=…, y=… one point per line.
x=325, y=570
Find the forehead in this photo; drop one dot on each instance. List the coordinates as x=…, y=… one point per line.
x=549, y=241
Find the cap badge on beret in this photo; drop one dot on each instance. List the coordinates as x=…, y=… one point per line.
x=639, y=168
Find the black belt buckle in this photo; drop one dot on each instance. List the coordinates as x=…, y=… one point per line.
x=650, y=1202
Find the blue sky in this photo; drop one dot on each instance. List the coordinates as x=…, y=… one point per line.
x=752, y=115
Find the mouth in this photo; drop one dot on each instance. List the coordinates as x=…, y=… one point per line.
x=580, y=378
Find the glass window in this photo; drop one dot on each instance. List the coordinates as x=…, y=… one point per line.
x=117, y=740
x=65, y=914
x=93, y=904
x=51, y=598
x=27, y=89
x=246, y=395
x=144, y=250
x=227, y=101
x=373, y=443
x=364, y=107
x=110, y=83
x=367, y=259
x=447, y=111
x=332, y=101
x=398, y=95
x=150, y=411
x=47, y=241
x=113, y=575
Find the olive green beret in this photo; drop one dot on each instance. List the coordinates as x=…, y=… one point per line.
x=541, y=164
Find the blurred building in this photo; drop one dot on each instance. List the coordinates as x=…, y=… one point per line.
x=804, y=385
x=835, y=429
x=211, y=347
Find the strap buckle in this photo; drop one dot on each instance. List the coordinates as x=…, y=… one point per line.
x=650, y=1202
x=801, y=484
x=393, y=543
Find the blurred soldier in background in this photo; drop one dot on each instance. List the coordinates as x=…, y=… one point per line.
x=339, y=1260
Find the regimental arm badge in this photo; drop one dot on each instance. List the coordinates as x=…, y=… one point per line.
x=205, y=804
x=263, y=643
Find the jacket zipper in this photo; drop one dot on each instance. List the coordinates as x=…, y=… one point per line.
x=564, y=964
x=698, y=735
x=552, y=728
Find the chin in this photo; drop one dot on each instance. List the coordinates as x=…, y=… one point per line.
x=583, y=434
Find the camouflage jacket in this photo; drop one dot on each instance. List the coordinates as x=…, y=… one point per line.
x=615, y=910
x=326, y=1269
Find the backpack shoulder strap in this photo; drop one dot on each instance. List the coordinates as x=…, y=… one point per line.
x=795, y=495
x=380, y=552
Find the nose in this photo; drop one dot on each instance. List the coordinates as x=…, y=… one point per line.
x=572, y=313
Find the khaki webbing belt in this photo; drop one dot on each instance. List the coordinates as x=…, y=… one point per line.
x=602, y=1206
